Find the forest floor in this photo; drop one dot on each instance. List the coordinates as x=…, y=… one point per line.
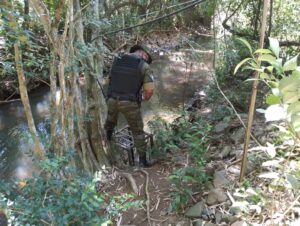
x=264, y=197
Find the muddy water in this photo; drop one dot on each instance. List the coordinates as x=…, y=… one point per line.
x=178, y=75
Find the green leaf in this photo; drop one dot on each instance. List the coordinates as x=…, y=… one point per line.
x=293, y=181
x=291, y=64
x=23, y=38
x=296, y=73
x=268, y=58
x=272, y=99
x=290, y=97
x=289, y=84
x=264, y=76
x=294, y=108
x=240, y=64
x=263, y=51
x=296, y=121
x=246, y=43
x=274, y=46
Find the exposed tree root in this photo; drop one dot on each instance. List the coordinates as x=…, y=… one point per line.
x=131, y=181
x=147, y=196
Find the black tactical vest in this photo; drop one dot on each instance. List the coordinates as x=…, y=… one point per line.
x=126, y=77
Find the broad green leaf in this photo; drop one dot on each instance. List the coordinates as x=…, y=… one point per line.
x=264, y=51
x=274, y=46
x=264, y=76
x=268, y=58
x=291, y=64
x=296, y=121
x=270, y=69
x=289, y=97
x=246, y=43
x=240, y=64
x=296, y=73
x=289, y=84
x=272, y=99
x=294, y=108
x=293, y=181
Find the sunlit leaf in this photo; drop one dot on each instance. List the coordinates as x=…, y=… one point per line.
x=259, y=110
x=240, y=64
x=296, y=73
x=275, y=113
x=289, y=97
x=264, y=51
x=291, y=64
x=289, y=84
x=22, y=38
x=271, y=150
x=294, y=108
x=272, y=99
x=246, y=43
x=264, y=76
x=268, y=58
x=296, y=121
x=295, y=183
x=269, y=175
x=274, y=46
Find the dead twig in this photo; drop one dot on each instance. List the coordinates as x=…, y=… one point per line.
x=288, y=210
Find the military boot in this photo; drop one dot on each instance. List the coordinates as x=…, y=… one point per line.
x=143, y=162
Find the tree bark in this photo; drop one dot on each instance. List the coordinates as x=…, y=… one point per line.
x=38, y=146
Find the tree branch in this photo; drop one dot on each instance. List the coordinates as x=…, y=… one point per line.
x=153, y=20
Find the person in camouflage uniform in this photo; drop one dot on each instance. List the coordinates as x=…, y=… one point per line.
x=131, y=82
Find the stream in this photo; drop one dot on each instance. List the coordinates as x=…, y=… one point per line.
x=178, y=75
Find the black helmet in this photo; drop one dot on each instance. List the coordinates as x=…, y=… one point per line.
x=144, y=48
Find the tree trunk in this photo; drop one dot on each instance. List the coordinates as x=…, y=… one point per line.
x=38, y=146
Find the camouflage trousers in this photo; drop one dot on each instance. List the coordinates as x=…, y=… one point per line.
x=131, y=111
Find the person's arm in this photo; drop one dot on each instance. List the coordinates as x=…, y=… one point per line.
x=148, y=91
x=148, y=84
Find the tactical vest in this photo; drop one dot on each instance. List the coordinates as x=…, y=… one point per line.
x=126, y=77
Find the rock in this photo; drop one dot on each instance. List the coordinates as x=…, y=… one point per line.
x=198, y=223
x=221, y=127
x=220, y=179
x=218, y=217
x=234, y=169
x=238, y=135
x=226, y=151
x=235, y=210
x=239, y=223
x=215, y=196
x=228, y=218
x=196, y=210
x=183, y=223
x=210, y=224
